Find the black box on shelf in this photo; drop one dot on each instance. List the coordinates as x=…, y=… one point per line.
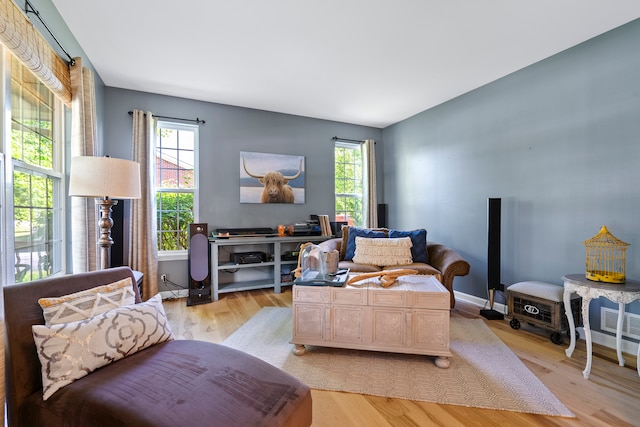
x=248, y=257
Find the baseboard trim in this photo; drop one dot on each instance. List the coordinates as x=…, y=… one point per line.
x=597, y=337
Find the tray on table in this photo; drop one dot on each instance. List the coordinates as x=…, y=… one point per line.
x=315, y=278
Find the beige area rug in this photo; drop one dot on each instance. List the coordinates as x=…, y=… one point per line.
x=484, y=372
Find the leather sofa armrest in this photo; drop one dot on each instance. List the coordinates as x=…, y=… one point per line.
x=450, y=264
x=331, y=245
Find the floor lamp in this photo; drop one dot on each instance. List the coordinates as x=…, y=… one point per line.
x=106, y=179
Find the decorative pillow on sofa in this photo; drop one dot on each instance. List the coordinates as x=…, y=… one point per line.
x=383, y=252
x=88, y=303
x=350, y=238
x=70, y=351
x=419, y=241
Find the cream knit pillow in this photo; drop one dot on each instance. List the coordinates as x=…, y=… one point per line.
x=383, y=252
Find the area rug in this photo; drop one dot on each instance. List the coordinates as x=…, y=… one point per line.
x=484, y=372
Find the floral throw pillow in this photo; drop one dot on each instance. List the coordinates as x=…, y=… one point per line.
x=70, y=351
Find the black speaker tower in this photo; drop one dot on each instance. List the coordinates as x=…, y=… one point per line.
x=382, y=215
x=199, y=265
x=493, y=256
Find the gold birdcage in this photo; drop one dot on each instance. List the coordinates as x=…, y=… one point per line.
x=606, y=257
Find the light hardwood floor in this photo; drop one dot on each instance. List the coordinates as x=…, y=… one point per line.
x=610, y=397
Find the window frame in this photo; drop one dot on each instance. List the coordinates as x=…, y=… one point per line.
x=362, y=196
x=180, y=254
x=59, y=239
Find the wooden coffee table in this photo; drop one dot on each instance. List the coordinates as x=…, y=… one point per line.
x=411, y=316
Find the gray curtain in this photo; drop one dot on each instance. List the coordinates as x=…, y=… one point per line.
x=143, y=240
x=84, y=232
x=371, y=198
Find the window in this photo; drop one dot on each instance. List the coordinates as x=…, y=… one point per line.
x=349, y=184
x=35, y=151
x=176, y=183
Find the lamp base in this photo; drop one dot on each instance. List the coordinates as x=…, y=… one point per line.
x=105, y=223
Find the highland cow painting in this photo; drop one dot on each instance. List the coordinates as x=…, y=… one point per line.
x=271, y=178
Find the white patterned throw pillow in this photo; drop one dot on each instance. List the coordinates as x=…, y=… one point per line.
x=70, y=351
x=88, y=303
x=383, y=252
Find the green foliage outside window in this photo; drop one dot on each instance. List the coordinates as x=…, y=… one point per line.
x=175, y=184
x=29, y=145
x=34, y=186
x=349, y=186
x=175, y=213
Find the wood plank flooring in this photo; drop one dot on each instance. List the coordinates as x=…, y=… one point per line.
x=610, y=397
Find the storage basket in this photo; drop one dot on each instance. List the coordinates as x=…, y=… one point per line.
x=541, y=304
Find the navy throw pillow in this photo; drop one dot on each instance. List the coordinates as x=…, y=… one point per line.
x=419, y=242
x=359, y=232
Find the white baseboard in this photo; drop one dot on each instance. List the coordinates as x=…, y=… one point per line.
x=600, y=338
x=480, y=302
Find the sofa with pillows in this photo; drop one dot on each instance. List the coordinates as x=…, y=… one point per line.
x=83, y=350
x=368, y=250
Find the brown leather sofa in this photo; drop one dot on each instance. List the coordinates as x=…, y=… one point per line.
x=174, y=383
x=444, y=263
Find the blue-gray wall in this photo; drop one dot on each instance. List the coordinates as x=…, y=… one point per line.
x=227, y=131
x=558, y=141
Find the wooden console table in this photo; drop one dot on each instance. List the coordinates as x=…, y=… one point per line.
x=411, y=316
x=588, y=290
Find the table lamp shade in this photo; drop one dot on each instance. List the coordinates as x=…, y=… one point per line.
x=92, y=176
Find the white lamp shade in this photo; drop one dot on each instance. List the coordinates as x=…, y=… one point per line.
x=92, y=176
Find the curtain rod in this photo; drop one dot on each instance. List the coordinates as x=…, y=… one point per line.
x=196, y=120
x=28, y=8
x=335, y=138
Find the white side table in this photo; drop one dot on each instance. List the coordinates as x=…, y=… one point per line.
x=588, y=290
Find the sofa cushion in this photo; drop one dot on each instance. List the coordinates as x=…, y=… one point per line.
x=383, y=252
x=177, y=383
x=419, y=240
x=88, y=303
x=349, y=239
x=69, y=351
x=358, y=268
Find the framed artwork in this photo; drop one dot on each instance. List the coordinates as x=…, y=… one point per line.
x=271, y=178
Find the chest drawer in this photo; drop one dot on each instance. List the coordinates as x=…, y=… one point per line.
x=388, y=298
x=317, y=294
x=349, y=296
x=432, y=300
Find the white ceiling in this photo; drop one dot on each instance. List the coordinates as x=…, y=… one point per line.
x=369, y=62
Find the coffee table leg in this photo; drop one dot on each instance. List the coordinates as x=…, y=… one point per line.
x=299, y=350
x=442, y=362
